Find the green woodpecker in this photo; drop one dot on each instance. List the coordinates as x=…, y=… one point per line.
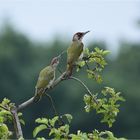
x=74, y=51
x=46, y=78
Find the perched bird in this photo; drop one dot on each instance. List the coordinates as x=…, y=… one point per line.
x=74, y=51
x=46, y=78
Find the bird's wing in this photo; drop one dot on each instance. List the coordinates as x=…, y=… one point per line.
x=45, y=76
x=74, y=51
x=81, y=49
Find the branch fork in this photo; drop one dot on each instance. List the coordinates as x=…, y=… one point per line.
x=30, y=101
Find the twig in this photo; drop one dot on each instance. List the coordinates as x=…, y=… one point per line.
x=82, y=83
x=17, y=124
x=52, y=103
x=87, y=65
x=4, y=108
x=61, y=122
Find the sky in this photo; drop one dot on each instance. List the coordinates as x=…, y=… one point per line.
x=108, y=20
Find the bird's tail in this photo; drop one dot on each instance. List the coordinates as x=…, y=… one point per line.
x=38, y=94
x=69, y=69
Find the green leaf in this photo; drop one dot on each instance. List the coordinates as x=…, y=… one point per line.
x=64, y=129
x=106, y=52
x=75, y=137
x=5, y=101
x=38, y=129
x=86, y=51
x=55, y=132
x=4, y=132
x=87, y=98
x=5, y=112
x=42, y=120
x=21, y=138
x=69, y=117
x=97, y=50
x=22, y=121
x=99, y=79
x=1, y=119
x=53, y=121
x=91, y=74
x=20, y=114
x=81, y=63
x=42, y=138
x=3, y=127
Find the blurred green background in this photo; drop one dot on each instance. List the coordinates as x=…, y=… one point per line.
x=21, y=59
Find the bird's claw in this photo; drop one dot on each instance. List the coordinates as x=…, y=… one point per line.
x=49, y=86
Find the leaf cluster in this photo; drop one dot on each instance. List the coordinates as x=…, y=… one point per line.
x=56, y=126
x=108, y=105
x=94, y=62
x=6, y=118
x=62, y=131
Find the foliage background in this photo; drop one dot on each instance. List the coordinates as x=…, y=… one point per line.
x=21, y=59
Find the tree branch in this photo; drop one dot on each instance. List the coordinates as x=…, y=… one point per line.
x=17, y=124
x=25, y=104
x=82, y=83
x=31, y=100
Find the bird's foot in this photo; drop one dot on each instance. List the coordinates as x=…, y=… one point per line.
x=66, y=76
x=50, y=86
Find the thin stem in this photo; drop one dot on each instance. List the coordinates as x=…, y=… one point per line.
x=87, y=65
x=52, y=103
x=4, y=108
x=54, y=108
x=82, y=83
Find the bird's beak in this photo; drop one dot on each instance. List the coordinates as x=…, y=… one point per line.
x=85, y=32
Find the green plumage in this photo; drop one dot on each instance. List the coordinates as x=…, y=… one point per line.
x=73, y=53
x=46, y=76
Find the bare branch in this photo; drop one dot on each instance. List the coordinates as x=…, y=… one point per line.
x=82, y=83
x=25, y=104
x=17, y=124
x=31, y=100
